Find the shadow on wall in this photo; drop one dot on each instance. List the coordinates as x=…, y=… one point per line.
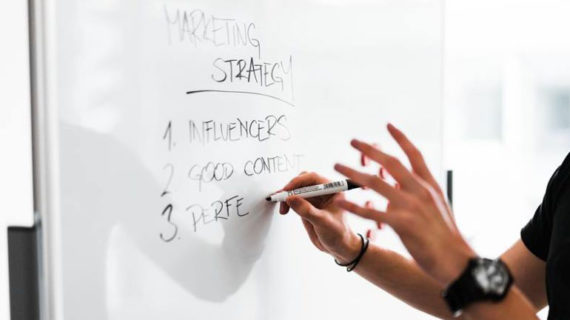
x=106, y=190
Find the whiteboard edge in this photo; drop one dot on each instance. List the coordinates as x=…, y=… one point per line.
x=45, y=154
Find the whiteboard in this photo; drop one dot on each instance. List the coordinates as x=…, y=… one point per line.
x=164, y=124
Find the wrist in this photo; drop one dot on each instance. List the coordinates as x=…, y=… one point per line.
x=454, y=264
x=349, y=249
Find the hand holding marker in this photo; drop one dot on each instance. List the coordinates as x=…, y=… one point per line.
x=315, y=191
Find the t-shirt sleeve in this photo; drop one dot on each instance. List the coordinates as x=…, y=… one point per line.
x=536, y=234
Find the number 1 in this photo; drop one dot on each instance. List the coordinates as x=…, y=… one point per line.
x=168, y=135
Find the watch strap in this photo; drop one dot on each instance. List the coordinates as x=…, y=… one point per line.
x=459, y=292
x=465, y=290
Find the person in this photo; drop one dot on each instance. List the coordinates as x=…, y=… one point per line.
x=534, y=272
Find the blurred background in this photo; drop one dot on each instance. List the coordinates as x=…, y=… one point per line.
x=507, y=119
x=507, y=111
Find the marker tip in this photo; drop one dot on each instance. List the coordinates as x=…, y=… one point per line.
x=268, y=199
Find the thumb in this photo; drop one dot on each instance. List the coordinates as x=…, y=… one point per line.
x=304, y=208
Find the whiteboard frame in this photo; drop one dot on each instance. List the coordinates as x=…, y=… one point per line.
x=44, y=140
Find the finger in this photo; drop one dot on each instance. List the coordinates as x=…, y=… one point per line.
x=369, y=205
x=391, y=163
x=283, y=208
x=371, y=234
x=363, y=159
x=305, y=209
x=303, y=180
x=313, y=235
x=374, y=182
x=364, y=212
x=414, y=155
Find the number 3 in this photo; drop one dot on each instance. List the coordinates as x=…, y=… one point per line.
x=168, y=212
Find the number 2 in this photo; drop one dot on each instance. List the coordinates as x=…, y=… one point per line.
x=165, y=191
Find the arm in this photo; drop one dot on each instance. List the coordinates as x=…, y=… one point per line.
x=403, y=279
x=424, y=222
x=419, y=214
x=395, y=274
x=528, y=272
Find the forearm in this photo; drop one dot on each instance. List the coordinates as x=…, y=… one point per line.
x=403, y=279
x=514, y=306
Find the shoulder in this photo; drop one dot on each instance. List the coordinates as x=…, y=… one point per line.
x=560, y=181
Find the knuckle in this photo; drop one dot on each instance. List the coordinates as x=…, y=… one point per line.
x=305, y=207
x=403, y=224
x=299, y=211
x=392, y=161
x=316, y=213
x=425, y=194
x=371, y=180
x=414, y=205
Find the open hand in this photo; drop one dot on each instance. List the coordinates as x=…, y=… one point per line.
x=417, y=210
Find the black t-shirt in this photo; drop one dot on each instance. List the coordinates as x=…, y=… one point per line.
x=547, y=236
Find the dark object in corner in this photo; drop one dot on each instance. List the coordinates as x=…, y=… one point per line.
x=23, y=269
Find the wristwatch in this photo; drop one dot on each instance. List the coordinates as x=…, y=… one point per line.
x=482, y=280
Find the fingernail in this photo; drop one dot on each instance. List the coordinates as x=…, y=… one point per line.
x=363, y=160
x=382, y=174
x=354, y=142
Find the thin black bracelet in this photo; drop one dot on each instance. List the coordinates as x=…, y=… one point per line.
x=348, y=264
x=352, y=264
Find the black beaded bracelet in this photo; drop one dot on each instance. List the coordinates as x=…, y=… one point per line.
x=352, y=264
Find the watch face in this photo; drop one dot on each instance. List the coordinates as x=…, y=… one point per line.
x=491, y=275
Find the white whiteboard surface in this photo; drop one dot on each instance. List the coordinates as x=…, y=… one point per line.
x=142, y=97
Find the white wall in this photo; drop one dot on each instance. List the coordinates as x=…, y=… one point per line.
x=15, y=137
